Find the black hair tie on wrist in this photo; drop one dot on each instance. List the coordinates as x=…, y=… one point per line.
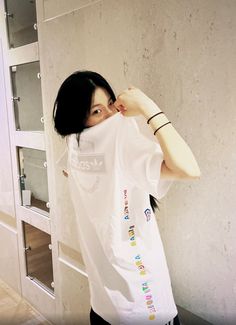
x=154, y=116
x=161, y=127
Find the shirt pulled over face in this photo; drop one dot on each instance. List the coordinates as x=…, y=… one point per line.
x=112, y=172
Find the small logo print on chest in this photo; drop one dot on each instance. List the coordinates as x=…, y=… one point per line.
x=148, y=214
x=88, y=163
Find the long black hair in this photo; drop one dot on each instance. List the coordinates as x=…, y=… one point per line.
x=72, y=105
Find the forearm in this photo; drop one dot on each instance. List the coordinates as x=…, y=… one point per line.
x=177, y=154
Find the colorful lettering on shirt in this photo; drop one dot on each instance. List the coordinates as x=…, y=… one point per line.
x=148, y=214
x=140, y=265
x=138, y=260
x=126, y=208
x=149, y=302
x=132, y=235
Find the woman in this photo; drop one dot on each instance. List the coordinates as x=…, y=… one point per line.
x=123, y=155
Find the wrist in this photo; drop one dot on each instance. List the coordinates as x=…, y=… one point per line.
x=149, y=110
x=158, y=121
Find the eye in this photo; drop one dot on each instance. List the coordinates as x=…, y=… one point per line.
x=97, y=111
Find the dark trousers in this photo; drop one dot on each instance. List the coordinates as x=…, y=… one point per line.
x=95, y=319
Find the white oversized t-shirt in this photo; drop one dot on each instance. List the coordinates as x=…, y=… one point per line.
x=111, y=174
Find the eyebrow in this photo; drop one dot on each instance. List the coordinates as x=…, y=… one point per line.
x=100, y=103
x=95, y=105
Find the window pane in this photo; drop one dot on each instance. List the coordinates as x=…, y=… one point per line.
x=33, y=179
x=20, y=19
x=27, y=97
x=38, y=256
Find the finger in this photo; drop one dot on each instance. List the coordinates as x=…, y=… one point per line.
x=118, y=101
x=121, y=108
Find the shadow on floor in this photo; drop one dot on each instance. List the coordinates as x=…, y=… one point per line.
x=188, y=318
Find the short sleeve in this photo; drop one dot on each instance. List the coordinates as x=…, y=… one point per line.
x=141, y=159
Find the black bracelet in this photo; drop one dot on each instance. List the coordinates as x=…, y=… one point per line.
x=161, y=127
x=154, y=116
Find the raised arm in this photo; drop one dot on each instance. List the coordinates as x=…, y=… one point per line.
x=179, y=161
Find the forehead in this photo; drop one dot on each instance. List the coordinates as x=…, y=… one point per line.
x=100, y=96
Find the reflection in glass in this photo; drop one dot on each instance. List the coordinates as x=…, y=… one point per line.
x=21, y=22
x=33, y=179
x=38, y=256
x=27, y=96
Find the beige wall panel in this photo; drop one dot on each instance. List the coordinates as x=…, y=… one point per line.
x=74, y=296
x=52, y=8
x=183, y=55
x=71, y=257
x=9, y=260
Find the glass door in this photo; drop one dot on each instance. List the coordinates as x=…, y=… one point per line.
x=33, y=179
x=27, y=97
x=38, y=256
x=21, y=22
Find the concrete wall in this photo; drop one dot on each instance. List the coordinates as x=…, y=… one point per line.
x=183, y=55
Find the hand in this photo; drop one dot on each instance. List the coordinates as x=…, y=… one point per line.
x=133, y=101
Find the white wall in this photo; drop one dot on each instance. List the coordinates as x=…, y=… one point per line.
x=6, y=184
x=9, y=261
